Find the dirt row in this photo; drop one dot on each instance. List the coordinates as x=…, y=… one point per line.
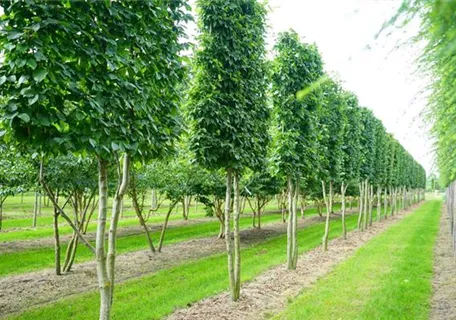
x=44, y=286
x=443, y=302
x=270, y=292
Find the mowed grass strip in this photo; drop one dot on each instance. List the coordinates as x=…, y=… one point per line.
x=44, y=223
x=37, y=259
x=154, y=296
x=389, y=278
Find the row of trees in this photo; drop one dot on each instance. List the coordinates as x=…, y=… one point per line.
x=437, y=35
x=110, y=96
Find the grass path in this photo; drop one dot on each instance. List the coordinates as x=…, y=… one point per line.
x=156, y=295
x=389, y=278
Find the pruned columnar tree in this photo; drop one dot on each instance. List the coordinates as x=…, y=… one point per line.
x=351, y=151
x=227, y=103
x=332, y=124
x=104, y=86
x=296, y=67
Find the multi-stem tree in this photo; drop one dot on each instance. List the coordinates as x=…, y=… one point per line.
x=227, y=102
x=297, y=67
x=104, y=86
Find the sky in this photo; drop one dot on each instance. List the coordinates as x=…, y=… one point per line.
x=381, y=73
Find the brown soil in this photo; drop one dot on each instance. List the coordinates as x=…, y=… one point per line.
x=443, y=301
x=41, y=287
x=22, y=245
x=269, y=293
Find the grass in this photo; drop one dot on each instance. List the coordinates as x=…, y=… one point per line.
x=156, y=295
x=36, y=259
x=389, y=278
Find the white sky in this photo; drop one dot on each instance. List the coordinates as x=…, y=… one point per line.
x=382, y=77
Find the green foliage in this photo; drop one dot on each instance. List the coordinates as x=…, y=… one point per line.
x=351, y=148
x=227, y=101
x=332, y=123
x=296, y=66
x=104, y=85
x=17, y=173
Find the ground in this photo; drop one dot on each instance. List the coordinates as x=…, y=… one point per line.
x=188, y=280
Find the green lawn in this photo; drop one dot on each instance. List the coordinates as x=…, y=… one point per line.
x=389, y=278
x=156, y=295
x=30, y=260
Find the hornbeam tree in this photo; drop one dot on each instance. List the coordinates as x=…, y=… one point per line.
x=102, y=86
x=296, y=67
x=332, y=122
x=227, y=103
x=351, y=151
x=367, y=165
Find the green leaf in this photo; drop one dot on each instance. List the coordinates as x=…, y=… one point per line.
x=31, y=63
x=33, y=99
x=114, y=146
x=2, y=80
x=24, y=117
x=39, y=74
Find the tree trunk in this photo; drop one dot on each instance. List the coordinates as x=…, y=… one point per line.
x=228, y=239
x=371, y=202
x=385, y=202
x=360, y=205
x=146, y=231
x=112, y=235
x=56, y=243
x=1, y=212
x=328, y=214
x=365, y=205
x=303, y=205
x=379, y=203
x=104, y=283
x=153, y=202
x=35, y=210
x=343, y=189
x=237, y=240
x=165, y=225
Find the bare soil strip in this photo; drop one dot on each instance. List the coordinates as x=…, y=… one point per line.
x=26, y=290
x=443, y=301
x=269, y=293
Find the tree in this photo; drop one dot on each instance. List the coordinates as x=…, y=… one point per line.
x=351, y=151
x=104, y=86
x=332, y=122
x=16, y=175
x=227, y=102
x=296, y=67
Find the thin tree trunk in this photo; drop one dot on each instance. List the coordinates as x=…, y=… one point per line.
x=165, y=225
x=1, y=212
x=385, y=202
x=237, y=240
x=365, y=205
x=112, y=235
x=228, y=239
x=379, y=203
x=56, y=242
x=104, y=283
x=290, y=223
x=294, y=228
x=360, y=205
x=343, y=189
x=328, y=214
x=35, y=210
x=371, y=202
